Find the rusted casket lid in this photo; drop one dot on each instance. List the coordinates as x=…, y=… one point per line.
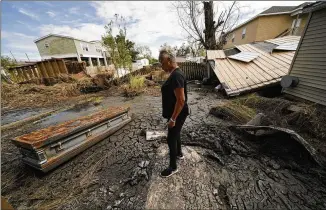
x=50, y=134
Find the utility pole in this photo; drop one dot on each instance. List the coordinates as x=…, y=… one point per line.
x=13, y=56
x=27, y=56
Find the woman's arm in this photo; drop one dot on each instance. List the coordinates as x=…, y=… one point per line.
x=180, y=96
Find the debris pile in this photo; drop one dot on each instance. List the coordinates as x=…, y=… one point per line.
x=306, y=119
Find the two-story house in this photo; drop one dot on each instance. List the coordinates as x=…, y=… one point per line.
x=58, y=46
x=274, y=22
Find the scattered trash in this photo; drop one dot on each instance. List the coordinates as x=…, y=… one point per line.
x=155, y=135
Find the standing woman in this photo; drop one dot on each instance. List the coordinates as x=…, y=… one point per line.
x=175, y=108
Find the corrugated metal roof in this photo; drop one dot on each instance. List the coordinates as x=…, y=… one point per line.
x=244, y=56
x=215, y=54
x=288, y=46
x=264, y=46
x=237, y=77
x=284, y=40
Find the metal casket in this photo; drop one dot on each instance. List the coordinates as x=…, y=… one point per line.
x=47, y=148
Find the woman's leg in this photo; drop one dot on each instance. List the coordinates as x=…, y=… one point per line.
x=172, y=143
x=180, y=124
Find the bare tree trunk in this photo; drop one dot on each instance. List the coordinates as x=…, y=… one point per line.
x=209, y=31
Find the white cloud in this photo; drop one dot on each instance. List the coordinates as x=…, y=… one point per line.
x=259, y=6
x=154, y=24
x=51, y=14
x=74, y=10
x=45, y=3
x=29, y=14
x=75, y=21
x=20, y=44
x=4, y=34
x=85, y=31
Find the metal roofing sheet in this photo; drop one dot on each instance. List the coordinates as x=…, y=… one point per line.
x=244, y=56
x=284, y=40
x=215, y=54
x=237, y=77
x=288, y=46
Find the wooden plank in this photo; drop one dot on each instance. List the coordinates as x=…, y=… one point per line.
x=43, y=69
x=272, y=62
x=13, y=74
x=20, y=75
x=55, y=68
x=222, y=76
x=260, y=73
x=62, y=66
x=49, y=69
x=234, y=83
x=35, y=71
x=25, y=74
x=236, y=74
x=247, y=71
x=39, y=70
x=29, y=72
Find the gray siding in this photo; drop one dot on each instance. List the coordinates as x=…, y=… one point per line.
x=310, y=62
x=56, y=46
x=91, y=49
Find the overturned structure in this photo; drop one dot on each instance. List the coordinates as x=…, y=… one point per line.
x=253, y=66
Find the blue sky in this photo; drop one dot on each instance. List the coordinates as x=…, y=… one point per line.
x=150, y=23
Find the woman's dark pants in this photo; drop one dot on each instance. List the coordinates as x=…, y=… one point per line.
x=174, y=140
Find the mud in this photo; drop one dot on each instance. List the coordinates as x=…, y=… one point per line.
x=16, y=115
x=222, y=169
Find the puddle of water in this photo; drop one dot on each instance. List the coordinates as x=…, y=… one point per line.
x=69, y=115
x=17, y=115
x=77, y=112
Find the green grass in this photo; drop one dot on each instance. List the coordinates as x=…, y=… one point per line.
x=137, y=83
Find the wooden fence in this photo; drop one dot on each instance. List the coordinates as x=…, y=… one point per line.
x=193, y=71
x=46, y=71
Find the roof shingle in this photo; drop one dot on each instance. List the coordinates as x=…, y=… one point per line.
x=278, y=9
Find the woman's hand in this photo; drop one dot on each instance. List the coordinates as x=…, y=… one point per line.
x=171, y=124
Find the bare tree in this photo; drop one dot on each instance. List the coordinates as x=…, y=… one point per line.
x=207, y=23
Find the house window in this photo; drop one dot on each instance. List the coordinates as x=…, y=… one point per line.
x=46, y=45
x=98, y=50
x=232, y=38
x=243, y=33
x=84, y=47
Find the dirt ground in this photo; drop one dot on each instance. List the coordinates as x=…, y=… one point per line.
x=222, y=169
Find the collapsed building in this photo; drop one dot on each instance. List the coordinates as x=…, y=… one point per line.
x=249, y=67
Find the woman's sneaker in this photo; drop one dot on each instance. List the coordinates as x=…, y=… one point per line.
x=180, y=157
x=168, y=172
